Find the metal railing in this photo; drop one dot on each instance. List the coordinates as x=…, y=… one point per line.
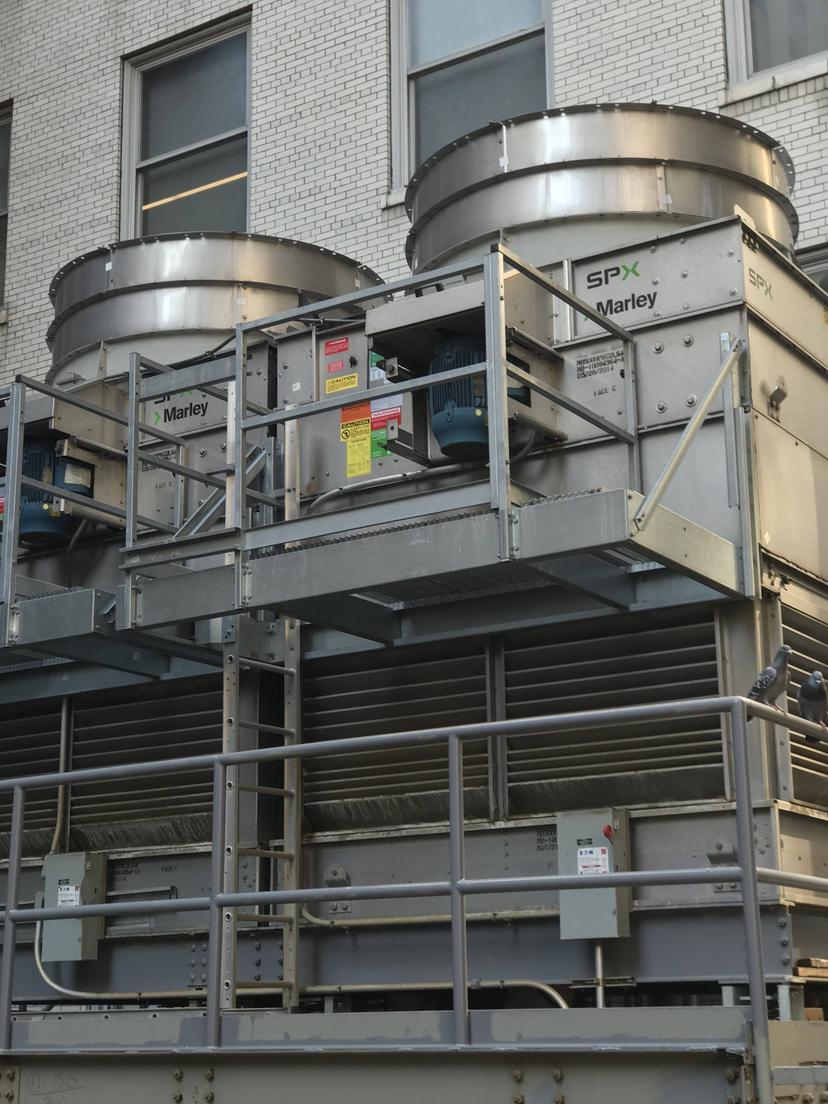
x=240, y=538
x=458, y=886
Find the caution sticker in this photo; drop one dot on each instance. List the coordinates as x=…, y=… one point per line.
x=341, y=383
x=355, y=422
x=358, y=457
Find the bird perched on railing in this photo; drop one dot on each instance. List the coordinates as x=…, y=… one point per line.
x=773, y=681
x=813, y=699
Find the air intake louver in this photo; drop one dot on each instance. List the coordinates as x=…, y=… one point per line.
x=617, y=661
x=392, y=692
x=809, y=761
x=136, y=724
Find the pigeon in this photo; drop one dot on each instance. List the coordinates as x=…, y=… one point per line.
x=773, y=680
x=813, y=699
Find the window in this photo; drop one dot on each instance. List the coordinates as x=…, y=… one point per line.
x=5, y=147
x=460, y=64
x=775, y=35
x=185, y=137
x=814, y=261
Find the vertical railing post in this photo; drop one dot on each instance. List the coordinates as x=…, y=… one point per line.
x=214, y=946
x=292, y=713
x=631, y=411
x=11, y=518
x=133, y=437
x=750, y=905
x=497, y=398
x=457, y=871
x=10, y=927
x=236, y=413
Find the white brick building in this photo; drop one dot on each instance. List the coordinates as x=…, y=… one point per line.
x=327, y=98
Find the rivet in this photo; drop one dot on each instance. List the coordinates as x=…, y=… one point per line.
x=690, y=400
x=658, y=347
x=557, y=1075
x=684, y=274
x=688, y=340
x=518, y=1098
x=178, y=1097
x=661, y=406
x=210, y=1074
x=731, y=1075
x=178, y=1074
x=517, y=1074
x=560, y=1099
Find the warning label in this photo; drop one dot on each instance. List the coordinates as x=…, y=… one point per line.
x=358, y=457
x=355, y=422
x=593, y=860
x=336, y=365
x=336, y=345
x=340, y=383
x=598, y=364
x=384, y=411
x=68, y=896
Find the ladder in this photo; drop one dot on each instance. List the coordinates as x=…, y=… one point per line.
x=243, y=730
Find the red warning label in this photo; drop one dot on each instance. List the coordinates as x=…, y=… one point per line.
x=336, y=365
x=336, y=345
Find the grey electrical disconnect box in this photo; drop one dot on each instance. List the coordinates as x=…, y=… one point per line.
x=75, y=879
x=595, y=842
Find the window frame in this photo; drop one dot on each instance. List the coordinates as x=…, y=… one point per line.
x=743, y=79
x=813, y=261
x=403, y=161
x=134, y=69
x=5, y=120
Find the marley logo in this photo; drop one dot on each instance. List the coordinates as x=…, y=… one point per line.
x=157, y=415
x=601, y=276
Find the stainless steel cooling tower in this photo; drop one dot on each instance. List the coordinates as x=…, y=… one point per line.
x=573, y=181
x=176, y=295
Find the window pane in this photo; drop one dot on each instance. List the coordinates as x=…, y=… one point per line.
x=217, y=182
x=785, y=31
x=196, y=96
x=452, y=101
x=5, y=135
x=3, y=225
x=439, y=28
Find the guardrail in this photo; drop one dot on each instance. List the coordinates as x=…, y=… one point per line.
x=458, y=886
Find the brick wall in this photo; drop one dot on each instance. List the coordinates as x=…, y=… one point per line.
x=320, y=119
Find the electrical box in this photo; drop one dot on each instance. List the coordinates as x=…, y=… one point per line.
x=75, y=879
x=595, y=842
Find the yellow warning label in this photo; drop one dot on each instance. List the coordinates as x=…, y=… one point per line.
x=355, y=422
x=340, y=383
x=358, y=457
x=355, y=431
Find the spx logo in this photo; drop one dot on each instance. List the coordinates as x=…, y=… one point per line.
x=602, y=276
x=760, y=283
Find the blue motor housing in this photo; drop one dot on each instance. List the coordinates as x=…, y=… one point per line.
x=459, y=412
x=41, y=524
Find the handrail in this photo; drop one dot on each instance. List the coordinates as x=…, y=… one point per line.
x=457, y=886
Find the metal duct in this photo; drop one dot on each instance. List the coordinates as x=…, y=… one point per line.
x=583, y=179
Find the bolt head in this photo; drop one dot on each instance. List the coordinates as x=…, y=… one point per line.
x=557, y=1075
x=560, y=1099
x=517, y=1074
